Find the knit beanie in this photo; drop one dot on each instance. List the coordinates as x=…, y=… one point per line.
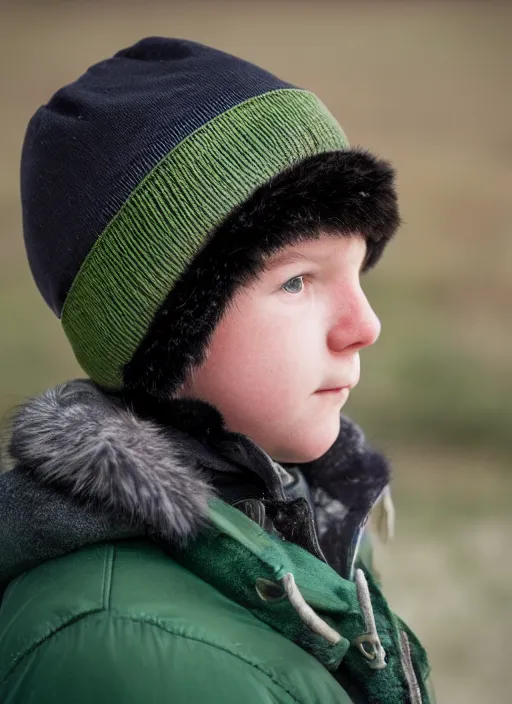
x=153, y=186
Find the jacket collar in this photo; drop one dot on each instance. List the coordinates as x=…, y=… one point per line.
x=161, y=477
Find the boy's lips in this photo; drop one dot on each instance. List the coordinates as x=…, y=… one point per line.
x=331, y=388
x=336, y=390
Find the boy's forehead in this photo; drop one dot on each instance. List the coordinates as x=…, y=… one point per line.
x=321, y=248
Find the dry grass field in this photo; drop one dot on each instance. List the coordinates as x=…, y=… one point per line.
x=428, y=85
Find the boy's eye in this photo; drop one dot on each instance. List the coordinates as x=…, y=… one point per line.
x=294, y=285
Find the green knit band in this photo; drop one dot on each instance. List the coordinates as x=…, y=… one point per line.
x=156, y=233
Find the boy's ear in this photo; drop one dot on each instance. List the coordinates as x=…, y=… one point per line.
x=339, y=193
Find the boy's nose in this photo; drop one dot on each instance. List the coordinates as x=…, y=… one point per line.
x=356, y=327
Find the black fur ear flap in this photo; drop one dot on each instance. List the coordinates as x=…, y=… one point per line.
x=339, y=193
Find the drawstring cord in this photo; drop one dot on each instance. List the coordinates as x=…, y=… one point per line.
x=310, y=618
x=410, y=675
x=368, y=644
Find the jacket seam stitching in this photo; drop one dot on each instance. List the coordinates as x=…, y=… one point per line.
x=40, y=641
x=148, y=622
x=210, y=644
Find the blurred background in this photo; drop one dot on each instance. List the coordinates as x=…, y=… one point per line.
x=427, y=85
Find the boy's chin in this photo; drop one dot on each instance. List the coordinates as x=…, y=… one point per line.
x=311, y=447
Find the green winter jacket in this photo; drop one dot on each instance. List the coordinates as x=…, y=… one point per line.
x=97, y=608
x=123, y=622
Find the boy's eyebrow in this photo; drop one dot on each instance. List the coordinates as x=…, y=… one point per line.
x=284, y=258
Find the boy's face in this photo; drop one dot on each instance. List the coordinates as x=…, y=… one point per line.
x=286, y=338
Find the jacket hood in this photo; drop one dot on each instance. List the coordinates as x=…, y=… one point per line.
x=88, y=469
x=90, y=446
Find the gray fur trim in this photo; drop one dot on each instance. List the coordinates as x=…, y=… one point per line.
x=77, y=439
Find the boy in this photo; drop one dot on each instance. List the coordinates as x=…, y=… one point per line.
x=185, y=525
